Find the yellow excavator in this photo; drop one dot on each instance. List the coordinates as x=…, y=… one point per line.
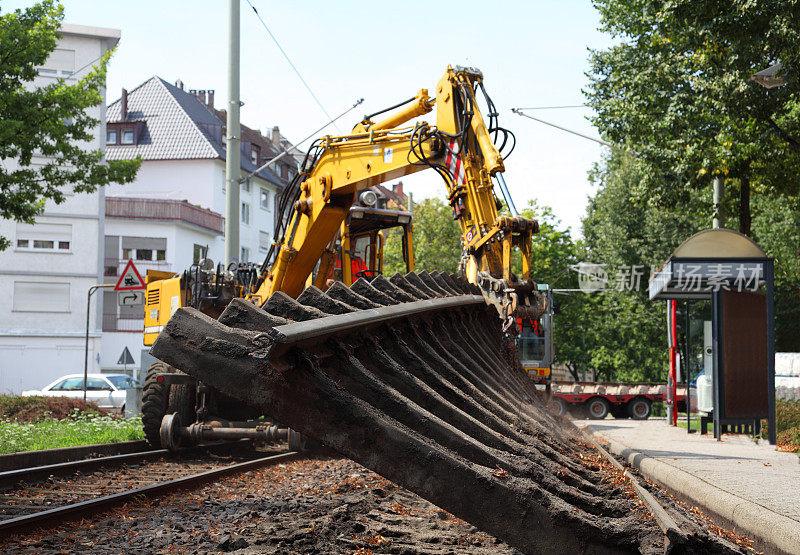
x=324, y=209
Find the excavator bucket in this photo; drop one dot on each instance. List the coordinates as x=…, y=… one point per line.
x=412, y=378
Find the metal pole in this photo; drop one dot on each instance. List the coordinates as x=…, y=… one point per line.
x=89, y=294
x=719, y=191
x=233, y=141
x=769, y=277
x=506, y=195
x=688, y=371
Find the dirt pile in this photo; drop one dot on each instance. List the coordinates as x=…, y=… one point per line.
x=36, y=409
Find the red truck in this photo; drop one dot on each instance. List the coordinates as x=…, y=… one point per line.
x=621, y=400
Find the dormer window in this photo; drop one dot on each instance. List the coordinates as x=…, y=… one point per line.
x=124, y=133
x=254, y=154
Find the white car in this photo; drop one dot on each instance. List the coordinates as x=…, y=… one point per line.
x=107, y=390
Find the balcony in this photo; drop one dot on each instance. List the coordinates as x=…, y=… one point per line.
x=163, y=210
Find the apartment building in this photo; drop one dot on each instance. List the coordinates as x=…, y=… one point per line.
x=50, y=265
x=172, y=215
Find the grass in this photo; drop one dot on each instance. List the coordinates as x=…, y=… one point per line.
x=35, y=423
x=71, y=432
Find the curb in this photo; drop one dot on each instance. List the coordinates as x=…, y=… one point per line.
x=755, y=520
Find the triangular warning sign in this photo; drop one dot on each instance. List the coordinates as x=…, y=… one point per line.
x=125, y=357
x=130, y=279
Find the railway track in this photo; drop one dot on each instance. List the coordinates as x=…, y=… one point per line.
x=50, y=494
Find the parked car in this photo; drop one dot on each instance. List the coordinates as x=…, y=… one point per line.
x=107, y=390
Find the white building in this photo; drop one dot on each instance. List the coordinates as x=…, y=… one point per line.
x=172, y=213
x=47, y=270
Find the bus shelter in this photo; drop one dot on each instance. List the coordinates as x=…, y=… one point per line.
x=735, y=274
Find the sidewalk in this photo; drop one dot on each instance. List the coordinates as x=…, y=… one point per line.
x=752, y=487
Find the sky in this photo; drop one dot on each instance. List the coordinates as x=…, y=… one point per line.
x=531, y=53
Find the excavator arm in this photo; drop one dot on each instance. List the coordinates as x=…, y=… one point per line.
x=459, y=147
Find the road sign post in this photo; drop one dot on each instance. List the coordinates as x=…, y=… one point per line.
x=130, y=283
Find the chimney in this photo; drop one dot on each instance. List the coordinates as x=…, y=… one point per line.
x=179, y=84
x=201, y=96
x=397, y=189
x=276, y=136
x=211, y=98
x=123, y=104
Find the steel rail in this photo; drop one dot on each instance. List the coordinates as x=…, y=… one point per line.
x=82, y=508
x=673, y=534
x=10, y=478
x=298, y=332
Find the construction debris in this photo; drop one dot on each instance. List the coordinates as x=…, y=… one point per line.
x=407, y=376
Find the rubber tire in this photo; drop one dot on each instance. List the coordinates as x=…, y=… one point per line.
x=182, y=400
x=155, y=397
x=639, y=408
x=597, y=408
x=558, y=406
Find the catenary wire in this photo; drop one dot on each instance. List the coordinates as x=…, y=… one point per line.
x=288, y=59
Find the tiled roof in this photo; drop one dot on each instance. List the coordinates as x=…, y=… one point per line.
x=177, y=126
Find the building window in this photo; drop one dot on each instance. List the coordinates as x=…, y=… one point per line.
x=246, y=185
x=199, y=253
x=263, y=241
x=285, y=171
x=265, y=200
x=255, y=152
x=127, y=137
x=144, y=254
x=245, y=255
x=44, y=237
x=111, y=137
x=161, y=254
x=245, y=213
x=35, y=296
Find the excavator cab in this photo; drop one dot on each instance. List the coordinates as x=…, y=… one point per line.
x=535, y=341
x=362, y=240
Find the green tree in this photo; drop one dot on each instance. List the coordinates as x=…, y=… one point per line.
x=48, y=123
x=437, y=240
x=624, y=330
x=675, y=87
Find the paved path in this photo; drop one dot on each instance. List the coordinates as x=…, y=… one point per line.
x=750, y=485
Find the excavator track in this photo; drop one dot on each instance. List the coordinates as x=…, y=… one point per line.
x=409, y=376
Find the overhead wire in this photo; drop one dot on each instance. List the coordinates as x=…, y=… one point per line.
x=288, y=59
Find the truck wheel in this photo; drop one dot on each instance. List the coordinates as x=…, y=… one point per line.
x=597, y=408
x=639, y=409
x=558, y=406
x=182, y=401
x=155, y=396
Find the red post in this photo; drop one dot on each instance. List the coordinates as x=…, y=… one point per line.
x=672, y=386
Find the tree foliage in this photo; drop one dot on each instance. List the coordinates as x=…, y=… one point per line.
x=43, y=130
x=675, y=88
x=437, y=240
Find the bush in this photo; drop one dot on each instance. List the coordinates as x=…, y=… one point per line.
x=787, y=415
x=36, y=409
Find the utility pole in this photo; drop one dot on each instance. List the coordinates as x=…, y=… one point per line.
x=719, y=217
x=233, y=141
